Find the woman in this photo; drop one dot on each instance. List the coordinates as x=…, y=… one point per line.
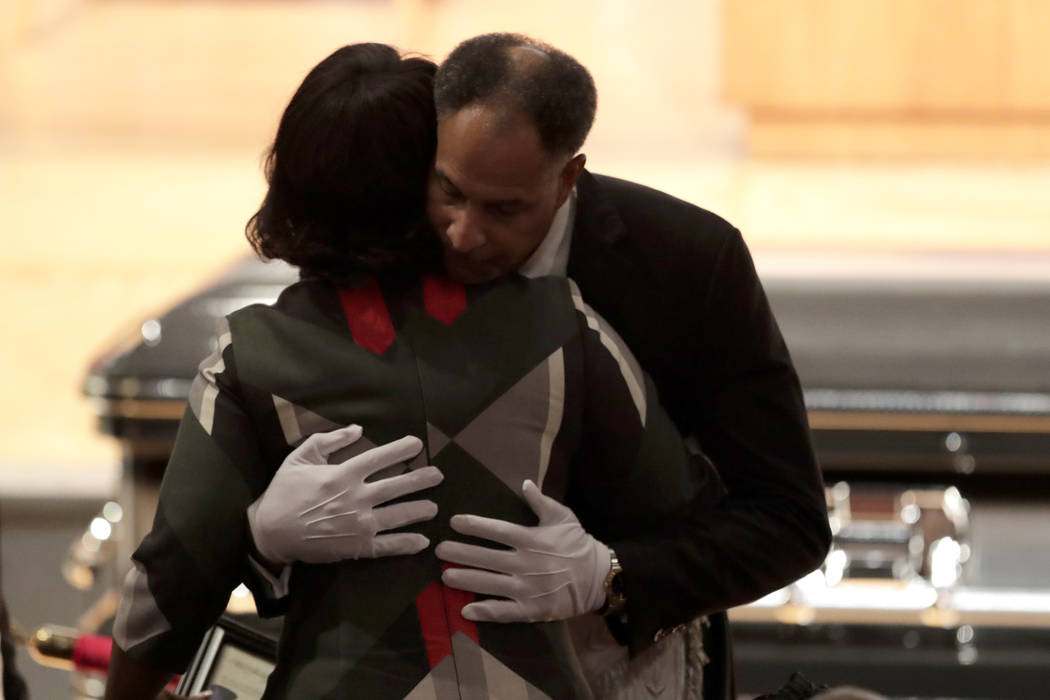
x=506, y=381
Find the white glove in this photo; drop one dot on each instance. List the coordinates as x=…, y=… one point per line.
x=317, y=512
x=554, y=571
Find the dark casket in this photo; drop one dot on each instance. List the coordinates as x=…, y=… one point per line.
x=928, y=389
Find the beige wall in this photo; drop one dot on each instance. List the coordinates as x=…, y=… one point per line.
x=218, y=74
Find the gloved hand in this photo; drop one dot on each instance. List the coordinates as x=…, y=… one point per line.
x=317, y=512
x=554, y=571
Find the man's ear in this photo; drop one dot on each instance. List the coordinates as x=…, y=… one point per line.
x=569, y=175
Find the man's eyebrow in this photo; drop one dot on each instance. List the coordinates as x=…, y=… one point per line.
x=515, y=203
x=511, y=202
x=443, y=176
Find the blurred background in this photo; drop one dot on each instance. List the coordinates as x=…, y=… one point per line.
x=885, y=135
x=131, y=138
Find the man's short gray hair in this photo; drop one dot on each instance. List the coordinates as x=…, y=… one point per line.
x=525, y=76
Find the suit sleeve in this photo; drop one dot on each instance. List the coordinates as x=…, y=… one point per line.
x=747, y=414
x=196, y=553
x=633, y=472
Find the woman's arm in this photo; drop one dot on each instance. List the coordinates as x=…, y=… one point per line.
x=129, y=678
x=196, y=552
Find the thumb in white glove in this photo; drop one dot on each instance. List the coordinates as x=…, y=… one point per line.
x=317, y=512
x=554, y=571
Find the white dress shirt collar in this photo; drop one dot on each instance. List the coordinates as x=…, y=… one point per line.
x=551, y=257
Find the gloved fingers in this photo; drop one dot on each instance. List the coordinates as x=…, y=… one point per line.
x=482, y=582
x=510, y=534
x=496, y=611
x=401, y=514
x=367, y=463
x=546, y=508
x=329, y=551
x=393, y=487
x=342, y=524
x=316, y=448
x=398, y=544
x=506, y=561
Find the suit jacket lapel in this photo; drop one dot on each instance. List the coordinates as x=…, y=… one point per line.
x=610, y=264
x=597, y=259
x=596, y=214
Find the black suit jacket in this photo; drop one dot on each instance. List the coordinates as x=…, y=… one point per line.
x=679, y=285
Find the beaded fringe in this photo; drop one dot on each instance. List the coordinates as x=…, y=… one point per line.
x=644, y=676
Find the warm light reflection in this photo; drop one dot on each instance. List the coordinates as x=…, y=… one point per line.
x=945, y=556
x=990, y=600
x=101, y=529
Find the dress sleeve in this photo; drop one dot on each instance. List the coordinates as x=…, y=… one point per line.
x=184, y=570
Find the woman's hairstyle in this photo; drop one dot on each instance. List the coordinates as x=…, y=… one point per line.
x=348, y=169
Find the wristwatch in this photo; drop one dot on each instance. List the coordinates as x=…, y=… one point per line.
x=615, y=600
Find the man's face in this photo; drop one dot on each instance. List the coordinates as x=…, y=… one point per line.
x=493, y=192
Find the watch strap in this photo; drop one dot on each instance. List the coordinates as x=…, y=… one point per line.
x=615, y=600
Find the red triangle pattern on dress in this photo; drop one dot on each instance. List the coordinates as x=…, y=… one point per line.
x=368, y=316
x=440, y=617
x=433, y=623
x=444, y=298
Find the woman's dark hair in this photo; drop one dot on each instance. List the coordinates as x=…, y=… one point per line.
x=348, y=169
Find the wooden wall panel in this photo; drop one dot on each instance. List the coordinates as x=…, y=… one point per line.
x=971, y=66
x=1027, y=35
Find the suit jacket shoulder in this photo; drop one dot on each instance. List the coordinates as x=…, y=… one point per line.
x=651, y=264
x=657, y=223
x=642, y=201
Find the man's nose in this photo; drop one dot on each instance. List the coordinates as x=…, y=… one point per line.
x=463, y=232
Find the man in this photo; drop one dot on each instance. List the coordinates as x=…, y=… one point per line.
x=509, y=194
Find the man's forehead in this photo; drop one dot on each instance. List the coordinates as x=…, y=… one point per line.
x=500, y=155
x=490, y=121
